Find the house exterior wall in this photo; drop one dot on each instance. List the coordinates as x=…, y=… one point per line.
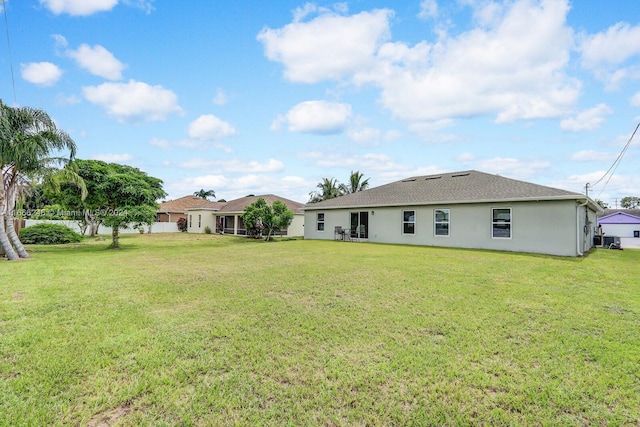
x=197, y=221
x=620, y=230
x=548, y=227
x=234, y=223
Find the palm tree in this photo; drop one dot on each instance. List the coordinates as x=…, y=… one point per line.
x=29, y=141
x=205, y=194
x=355, y=183
x=328, y=189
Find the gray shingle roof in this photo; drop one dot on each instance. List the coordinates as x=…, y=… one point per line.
x=457, y=187
x=238, y=205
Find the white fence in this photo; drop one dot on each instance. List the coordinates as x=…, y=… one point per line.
x=157, y=227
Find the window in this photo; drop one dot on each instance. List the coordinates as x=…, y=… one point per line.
x=199, y=221
x=190, y=220
x=320, y=221
x=501, y=223
x=441, y=222
x=408, y=222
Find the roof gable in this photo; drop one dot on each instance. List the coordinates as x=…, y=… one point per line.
x=238, y=205
x=183, y=203
x=619, y=218
x=457, y=187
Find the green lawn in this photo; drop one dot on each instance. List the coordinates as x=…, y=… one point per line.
x=180, y=329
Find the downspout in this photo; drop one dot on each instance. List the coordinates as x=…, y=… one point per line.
x=578, y=235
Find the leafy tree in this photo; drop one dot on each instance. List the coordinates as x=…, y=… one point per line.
x=603, y=205
x=205, y=194
x=118, y=195
x=327, y=189
x=261, y=218
x=630, y=202
x=29, y=145
x=355, y=183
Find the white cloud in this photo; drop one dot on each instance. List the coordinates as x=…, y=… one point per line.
x=499, y=67
x=160, y=143
x=428, y=9
x=365, y=135
x=133, y=100
x=504, y=69
x=592, y=156
x=98, y=61
x=319, y=117
x=635, y=100
x=78, y=7
x=327, y=47
x=589, y=119
x=234, y=165
x=113, y=158
x=220, y=98
x=605, y=53
x=210, y=127
x=41, y=73
x=510, y=167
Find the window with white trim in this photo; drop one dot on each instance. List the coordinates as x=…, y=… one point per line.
x=441, y=222
x=408, y=222
x=500, y=223
x=199, y=221
x=320, y=221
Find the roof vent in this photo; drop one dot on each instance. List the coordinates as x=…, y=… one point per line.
x=432, y=177
x=408, y=180
x=460, y=174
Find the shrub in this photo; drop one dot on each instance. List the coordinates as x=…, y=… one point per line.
x=207, y=230
x=182, y=224
x=49, y=234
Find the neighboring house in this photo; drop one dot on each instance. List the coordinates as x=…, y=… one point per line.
x=173, y=210
x=226, y=217
x=467, y=209
x=620, y=224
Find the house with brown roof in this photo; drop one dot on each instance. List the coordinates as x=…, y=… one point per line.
x=226, y=217
x=468, y=209
x=172, y=210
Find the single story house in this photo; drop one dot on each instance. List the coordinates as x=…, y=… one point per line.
x=173, y=210
x=468, y=209
x=226, y=217
x=620, y=223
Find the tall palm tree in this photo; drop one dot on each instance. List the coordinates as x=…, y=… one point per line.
x=355, y=183
x=328, y=189
x=29, y=144
x=205, y=194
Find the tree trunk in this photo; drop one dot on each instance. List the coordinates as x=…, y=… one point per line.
x=4, y=241
x=115, y=237
x=10, y=228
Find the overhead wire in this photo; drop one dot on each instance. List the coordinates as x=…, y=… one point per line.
x=611, y=171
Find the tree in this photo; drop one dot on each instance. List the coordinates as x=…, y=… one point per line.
x=205, y=194
x=355, y=183
x=630, y=202
x=119, y=195
x=328, y=189
x=29, y=143
x=261, y=218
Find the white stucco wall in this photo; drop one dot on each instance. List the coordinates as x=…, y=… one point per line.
x=620, y=230
x=537, y=227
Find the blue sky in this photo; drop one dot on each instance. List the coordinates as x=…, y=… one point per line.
x=247, y=97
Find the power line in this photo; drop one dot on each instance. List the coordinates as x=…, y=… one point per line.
x=6, y=26
x=610, y=172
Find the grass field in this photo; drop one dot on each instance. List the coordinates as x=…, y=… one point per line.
x=180, y=329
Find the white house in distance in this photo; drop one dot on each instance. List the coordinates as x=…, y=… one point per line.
x=621, y=224
x=226, y=217
x=469, y=209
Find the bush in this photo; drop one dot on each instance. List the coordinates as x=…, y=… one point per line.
x=182, y=224
x=207, y=230
x=49, y=234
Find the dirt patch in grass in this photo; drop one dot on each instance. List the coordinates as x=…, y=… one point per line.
x=109, y=417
